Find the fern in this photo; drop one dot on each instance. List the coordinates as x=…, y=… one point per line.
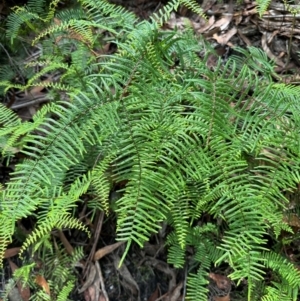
x=65, y=292
x=262, y=6
x=183, y=139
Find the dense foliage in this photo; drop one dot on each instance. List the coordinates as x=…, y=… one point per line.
x=181, y=139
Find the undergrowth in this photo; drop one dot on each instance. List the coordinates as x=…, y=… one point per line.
x=180, y=139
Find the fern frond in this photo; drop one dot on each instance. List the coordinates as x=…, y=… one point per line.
x=54, y=220
x=101, y=182
x=15, y=21
x=165, y=12
x=78, y=29
x=193, y=6
x=52, y=9
x=65, y=291
x=8, y=118
x=36, y=6
x=276, y=292
x=98, y=11
x=262, y=6
x=197, y=284
x=286, y=270
x=176, y=253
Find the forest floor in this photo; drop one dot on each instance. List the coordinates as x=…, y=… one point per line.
x=146, y=275
x=231, y=24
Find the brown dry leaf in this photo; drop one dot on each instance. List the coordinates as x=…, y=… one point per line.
x=155, y=295
x=208, y=25
x=179, y=23
x=90, y=278
x=165, y=268
x=65, y=242
x=42, y=282
x=12, y=265
x=102, y=298
x=224, y=22
x=244, y=38
x=176, y=292
x=93, y=288
x=24, y=291
x=106, y=250
x=86, y=296
x=11, y=252
x=92, y=292
x=35, y=91
x=222, y=282
x=129, y=282
x=292, y=220
x=223, y=39
x=265, y=47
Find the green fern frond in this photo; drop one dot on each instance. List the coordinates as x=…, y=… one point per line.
x=7, y=73
x=262, y=6
x=98, y=10
x=197, y=285
x=6, y=227
x=193, y=6
x=37, y=234
x=286, y=269
x=53, y=66
x=139, y=217
x=276, y=292
x=37, y=6
x=70, y=14
x=13, y=129
x=101, y=182
x=8, y=118
x=65, y=291
x=15, y=21
x=163, y=15
x=59, y=86
x=56, y=219
x=24, y=272
x=52, y=10
x=176, y=253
